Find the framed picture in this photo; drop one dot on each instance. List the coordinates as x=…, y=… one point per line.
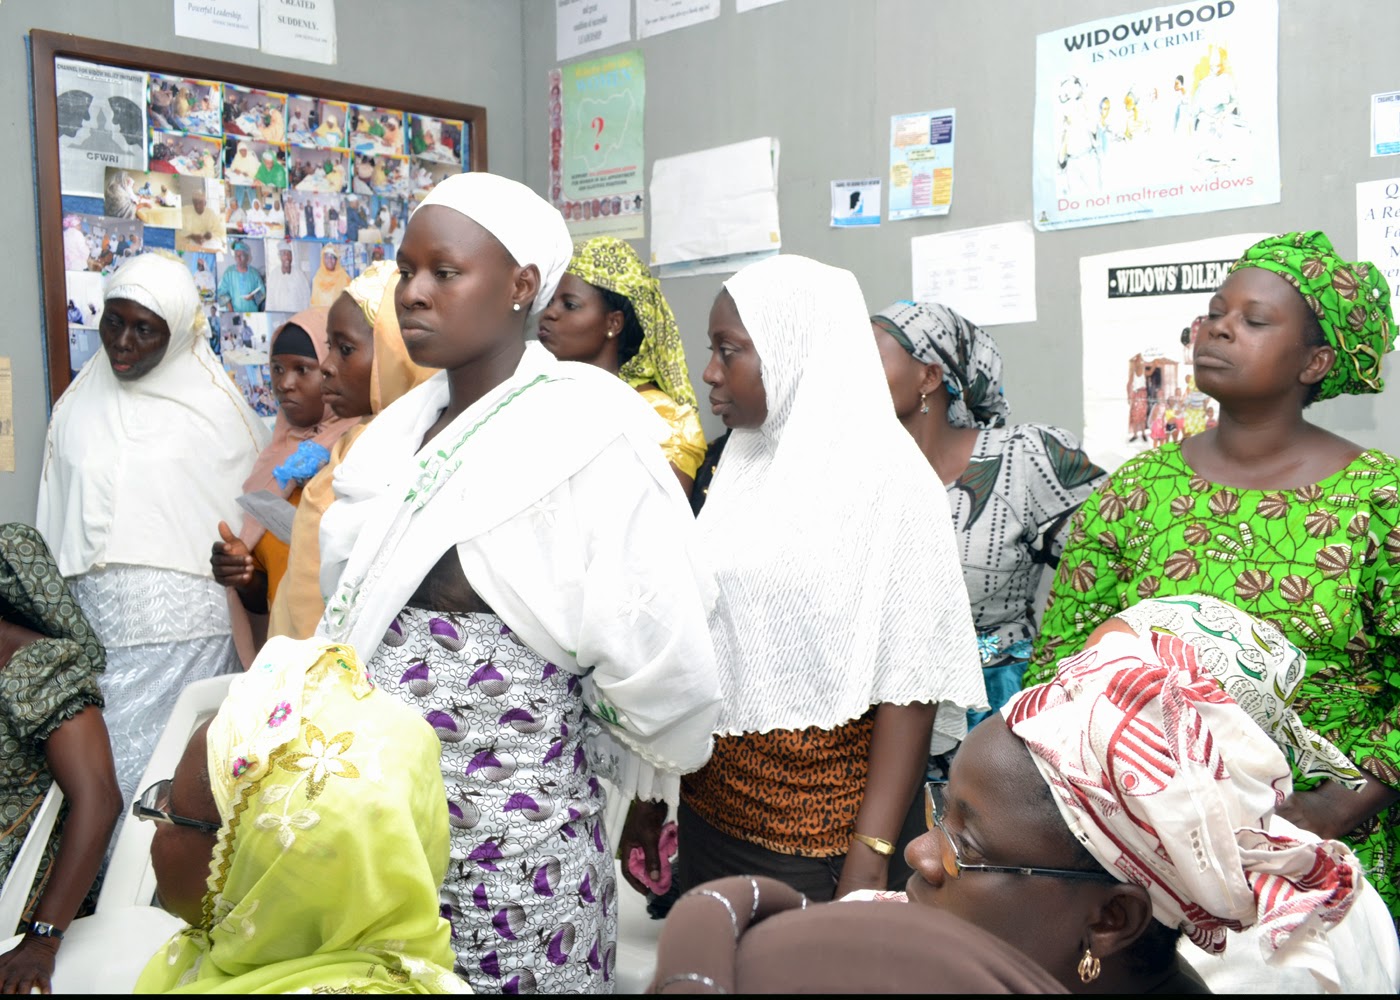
x=141, y=149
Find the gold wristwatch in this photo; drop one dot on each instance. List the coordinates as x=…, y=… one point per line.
x=876, y=844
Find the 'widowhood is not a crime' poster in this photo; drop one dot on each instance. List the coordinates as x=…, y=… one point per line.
x=1169, y=111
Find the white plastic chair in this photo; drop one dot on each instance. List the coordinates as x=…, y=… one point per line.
x=105, y=953
x=130, y=879
x=20, y=881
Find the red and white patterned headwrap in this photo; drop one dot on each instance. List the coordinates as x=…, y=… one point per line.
x=1172, y=786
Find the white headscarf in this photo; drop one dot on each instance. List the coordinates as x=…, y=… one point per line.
x=531, y=229
x=564, y=544
x=370, y=521
x=840, y=585
x=141, y=473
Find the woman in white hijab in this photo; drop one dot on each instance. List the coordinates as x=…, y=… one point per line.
x=842, y=629
x=501, y=577
x=148, y=446
x=243, y=168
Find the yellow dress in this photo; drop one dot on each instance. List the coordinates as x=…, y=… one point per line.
x=327, y=286
x=685, y=449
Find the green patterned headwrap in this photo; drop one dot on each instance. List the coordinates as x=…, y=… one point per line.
x=611, y=263
x=1350, y=300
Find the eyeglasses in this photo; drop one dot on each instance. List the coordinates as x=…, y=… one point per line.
x=154, y=805
x=954, y=866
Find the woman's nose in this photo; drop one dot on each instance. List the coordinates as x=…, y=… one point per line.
x=711, y=375
x=925, y=855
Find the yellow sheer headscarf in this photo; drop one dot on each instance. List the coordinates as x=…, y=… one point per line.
x=610, y=263
x=333, y=842
x=298, y=605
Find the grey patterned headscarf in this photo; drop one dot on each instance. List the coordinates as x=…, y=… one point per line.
x=969, y=357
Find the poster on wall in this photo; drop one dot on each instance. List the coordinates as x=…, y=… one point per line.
x=596, y=145
x=1385, y=124
x=299, y=29
x=715, y=211
x=1138, y=309
x=230, y=22
x=1378, y=229
x=855, y=203
x=1169, y=111
x=101, y=123
x=921, y=164
x=581, y=26
x=655, y=17
x=987, y=274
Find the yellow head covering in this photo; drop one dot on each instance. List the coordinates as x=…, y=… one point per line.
x=333, y=841
x=610, y=263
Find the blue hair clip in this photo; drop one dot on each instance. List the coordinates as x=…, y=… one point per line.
x=309, y=459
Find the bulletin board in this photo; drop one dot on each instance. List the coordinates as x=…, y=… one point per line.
x=274, y=188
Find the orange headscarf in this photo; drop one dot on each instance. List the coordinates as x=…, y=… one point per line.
x=299, y=605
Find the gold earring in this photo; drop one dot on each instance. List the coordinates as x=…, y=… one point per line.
x=923, y=402
x=1089, y=967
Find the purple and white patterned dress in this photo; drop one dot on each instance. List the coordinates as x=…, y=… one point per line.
x=530, y=891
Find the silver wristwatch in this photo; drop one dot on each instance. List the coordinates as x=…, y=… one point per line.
x=40, y=929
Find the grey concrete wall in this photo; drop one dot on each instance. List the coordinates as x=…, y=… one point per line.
x=824, y=76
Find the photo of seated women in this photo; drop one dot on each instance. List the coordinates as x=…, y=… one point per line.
x=176, y=104
x=256, y=114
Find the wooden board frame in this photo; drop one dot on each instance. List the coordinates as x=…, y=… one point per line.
x=47, y=46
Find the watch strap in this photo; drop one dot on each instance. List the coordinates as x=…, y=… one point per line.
x=876, y=844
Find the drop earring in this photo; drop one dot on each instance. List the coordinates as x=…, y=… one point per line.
x=1089, y=967
x=923, y=402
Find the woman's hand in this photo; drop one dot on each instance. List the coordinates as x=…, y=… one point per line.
x=231, y=560
x=1332, y=811
x=29, y=966
x=642, y=828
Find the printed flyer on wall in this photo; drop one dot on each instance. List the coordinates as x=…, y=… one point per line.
x=855, y=203
x=1378, y=229
x=921, y=164
x=1169, y=111
x=101, y=123
x=1138, y=309
x=596, y=113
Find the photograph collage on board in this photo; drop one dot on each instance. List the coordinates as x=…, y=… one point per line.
x=274, y=201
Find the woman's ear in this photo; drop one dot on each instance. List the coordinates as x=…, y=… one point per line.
x=932, y=379
x=1321, y=362
x=1124, y=915
x=527, y=286
x=614, y=322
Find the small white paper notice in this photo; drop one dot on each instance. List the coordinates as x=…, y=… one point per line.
x=987, y=274
x=1385, y=124
x=230, y=22
x=271, y=511
x=299, y=29
x=711, y=209
x=655, y=17
x=855, y=203
x=1378, y=229
x=584, y=25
